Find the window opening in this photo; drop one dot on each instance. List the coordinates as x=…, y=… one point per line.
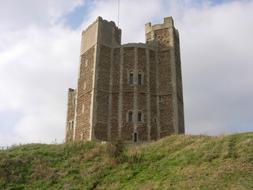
x=139, y=79
x=131, y=78
x=130, y=116
x=135, y=137
x=139, y=116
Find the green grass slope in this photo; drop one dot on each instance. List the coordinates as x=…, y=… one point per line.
x=176, y=162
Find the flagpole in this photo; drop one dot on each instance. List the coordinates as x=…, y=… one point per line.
x=118, y=11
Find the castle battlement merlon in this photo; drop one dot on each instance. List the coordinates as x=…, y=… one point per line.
x=168, y=22
x=100, y=19
x=137, y=45
x=100, y=31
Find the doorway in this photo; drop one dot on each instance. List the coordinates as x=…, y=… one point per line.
x=135, y=137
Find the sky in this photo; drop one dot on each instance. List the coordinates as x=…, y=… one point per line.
x=39, y=58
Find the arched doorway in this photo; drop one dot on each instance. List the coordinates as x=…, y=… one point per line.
x=135, y=137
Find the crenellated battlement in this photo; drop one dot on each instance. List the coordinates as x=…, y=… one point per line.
x=167, y=23
x=100, y=31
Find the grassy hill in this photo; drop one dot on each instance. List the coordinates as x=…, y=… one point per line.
x=176, y=162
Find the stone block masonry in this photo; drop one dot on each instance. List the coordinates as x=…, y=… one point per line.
x=130, y=91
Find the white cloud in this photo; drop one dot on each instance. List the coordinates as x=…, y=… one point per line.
x=35, y=74
x=15, y=14
x=216, y=57
x=37, y=65
x=39, y=61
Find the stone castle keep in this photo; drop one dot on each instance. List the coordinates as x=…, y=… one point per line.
x=130, y=91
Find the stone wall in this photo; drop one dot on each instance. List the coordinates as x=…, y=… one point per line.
x=162, y=38
x=84, y=94
x=153, y=95
x=179, y=84
x=127, y=93
x=166, y=39
x=70, y=115
x=115, y=85
x=102, y=93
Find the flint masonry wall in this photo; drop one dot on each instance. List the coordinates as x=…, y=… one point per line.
x=170, y=93
x=84, y=95
x=70, y=115
x=104, y=95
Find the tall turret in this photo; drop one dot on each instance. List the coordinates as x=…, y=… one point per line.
x=98, y=35
x=166, y=38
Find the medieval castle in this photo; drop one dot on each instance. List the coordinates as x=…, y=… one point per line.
x=130, y=91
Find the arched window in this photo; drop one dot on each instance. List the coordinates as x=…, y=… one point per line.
x=140, y=116
x=130, y=116
x=140, y=80
x=131, y=77
x=135, y=137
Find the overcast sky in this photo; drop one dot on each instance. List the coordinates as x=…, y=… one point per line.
x=39, y=58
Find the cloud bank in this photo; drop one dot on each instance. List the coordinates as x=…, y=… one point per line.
x=39, y=61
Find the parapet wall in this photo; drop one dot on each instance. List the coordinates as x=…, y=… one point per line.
x=101, y=31
x=167, y=23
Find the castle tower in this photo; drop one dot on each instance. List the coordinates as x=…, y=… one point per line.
x=131, y=91
x=90, y=88
x=166, y=37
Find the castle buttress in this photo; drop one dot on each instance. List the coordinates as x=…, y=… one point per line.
x=130, y=91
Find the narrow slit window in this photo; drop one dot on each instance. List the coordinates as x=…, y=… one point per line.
x=72, y=125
